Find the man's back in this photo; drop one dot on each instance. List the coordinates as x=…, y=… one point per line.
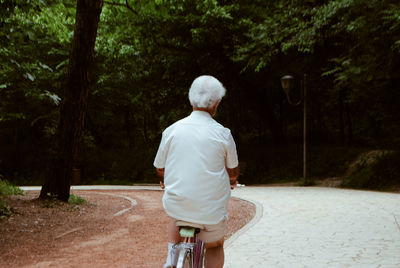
x=197, y=184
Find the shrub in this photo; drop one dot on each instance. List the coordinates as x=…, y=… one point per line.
x=7, y=189
x=5, y=209
x=380, y=174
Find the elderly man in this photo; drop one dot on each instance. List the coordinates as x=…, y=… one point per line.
x=198, y=164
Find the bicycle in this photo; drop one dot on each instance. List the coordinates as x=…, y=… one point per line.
x=191, y=249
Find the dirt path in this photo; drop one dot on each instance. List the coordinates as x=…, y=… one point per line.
x=110, y=231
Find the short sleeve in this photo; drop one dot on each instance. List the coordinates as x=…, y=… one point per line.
x=231, y=154
x=161, y=156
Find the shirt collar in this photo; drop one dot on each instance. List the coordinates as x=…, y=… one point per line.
x=201, y=114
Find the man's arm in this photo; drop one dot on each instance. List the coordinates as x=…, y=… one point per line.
x=160, y=173
x=233, y=176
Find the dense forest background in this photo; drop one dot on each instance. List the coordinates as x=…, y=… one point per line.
x=149, y=52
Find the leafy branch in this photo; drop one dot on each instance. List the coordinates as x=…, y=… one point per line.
x=122, y=5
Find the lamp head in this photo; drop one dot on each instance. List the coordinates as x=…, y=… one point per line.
x=287, y=83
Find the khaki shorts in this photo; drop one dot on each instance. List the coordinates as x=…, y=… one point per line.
x=213, y=232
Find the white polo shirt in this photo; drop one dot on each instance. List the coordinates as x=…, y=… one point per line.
x=195, y=152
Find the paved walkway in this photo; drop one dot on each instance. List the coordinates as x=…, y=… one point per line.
x=317, y=227
x=311, y=227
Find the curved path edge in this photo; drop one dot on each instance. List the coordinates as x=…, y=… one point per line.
x=133, y=203
x=257, y=217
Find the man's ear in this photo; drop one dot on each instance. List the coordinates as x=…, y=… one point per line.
x=216, y=105
x=214, y=108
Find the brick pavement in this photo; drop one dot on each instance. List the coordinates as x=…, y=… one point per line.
x=317, y=227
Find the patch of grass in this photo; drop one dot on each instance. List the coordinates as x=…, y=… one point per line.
x=7, y=188
x=76, y=200
x=5, y=209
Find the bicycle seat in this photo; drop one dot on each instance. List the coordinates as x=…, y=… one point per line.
x=189, y=224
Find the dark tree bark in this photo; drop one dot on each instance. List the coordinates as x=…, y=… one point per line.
x=64, y=150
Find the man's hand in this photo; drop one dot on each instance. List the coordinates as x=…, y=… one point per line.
x=160, y=173
x=233, y=175
x=162, y=185
x=234, y=184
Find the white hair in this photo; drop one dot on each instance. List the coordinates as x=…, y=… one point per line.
x=206, y=91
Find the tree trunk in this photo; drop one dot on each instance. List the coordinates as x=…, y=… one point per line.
x=73, y=108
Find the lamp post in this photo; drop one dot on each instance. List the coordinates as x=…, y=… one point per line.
x=287, y=82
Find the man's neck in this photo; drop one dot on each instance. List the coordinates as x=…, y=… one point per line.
x=211, y=110
x=202, y=109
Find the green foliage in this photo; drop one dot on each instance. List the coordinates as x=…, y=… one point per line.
x=382, y=174
x=6, y=188
x=33, y=47
x=5, y=209
x=76, y=200
x=149, y=52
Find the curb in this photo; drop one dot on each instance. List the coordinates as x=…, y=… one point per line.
x=254, y=221
x=155, y=187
